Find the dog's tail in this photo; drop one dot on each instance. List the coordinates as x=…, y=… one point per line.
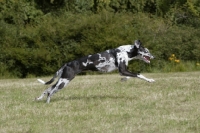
x=59, y=72
x=48, y=82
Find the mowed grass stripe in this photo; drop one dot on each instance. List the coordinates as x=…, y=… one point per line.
x=102, y=103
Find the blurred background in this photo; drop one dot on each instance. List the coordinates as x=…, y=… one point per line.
x=38, y=36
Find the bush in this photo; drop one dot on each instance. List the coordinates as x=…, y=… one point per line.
x=36, y=41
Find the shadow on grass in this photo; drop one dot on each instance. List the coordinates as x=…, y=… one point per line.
x=94, y=97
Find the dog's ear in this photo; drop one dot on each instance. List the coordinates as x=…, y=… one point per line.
x=137, y=43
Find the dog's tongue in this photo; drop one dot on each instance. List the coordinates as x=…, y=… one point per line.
x=147, y=58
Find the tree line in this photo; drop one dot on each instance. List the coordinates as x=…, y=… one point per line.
x=38, y=36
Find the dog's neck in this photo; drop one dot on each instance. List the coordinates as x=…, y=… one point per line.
x=131, y=51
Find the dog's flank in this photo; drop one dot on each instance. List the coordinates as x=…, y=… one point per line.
x=106, y=61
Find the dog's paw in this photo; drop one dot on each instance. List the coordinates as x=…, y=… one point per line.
x=151, y=80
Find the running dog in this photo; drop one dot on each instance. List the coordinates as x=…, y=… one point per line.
x=106, y=61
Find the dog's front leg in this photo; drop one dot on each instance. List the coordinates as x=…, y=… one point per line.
x=143, y=77
x=139, y=76
x=124, y=72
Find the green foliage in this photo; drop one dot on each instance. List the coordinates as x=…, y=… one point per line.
x=37, y=37
x=19, y=12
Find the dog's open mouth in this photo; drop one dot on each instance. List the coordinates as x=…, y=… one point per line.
x=147, y=59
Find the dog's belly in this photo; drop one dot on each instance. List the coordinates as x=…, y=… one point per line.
x=106, y=65
x=107, y=68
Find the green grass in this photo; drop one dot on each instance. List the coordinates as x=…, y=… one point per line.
x=103, y=104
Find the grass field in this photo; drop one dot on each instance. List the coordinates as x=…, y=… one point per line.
x=103, y=104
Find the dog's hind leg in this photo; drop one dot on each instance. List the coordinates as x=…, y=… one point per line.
x=53, y=89
x=67, y=75
x=44, y=93
x=62, y=82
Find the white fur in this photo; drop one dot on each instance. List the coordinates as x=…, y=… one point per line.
x=143, y=77
x=122, y=57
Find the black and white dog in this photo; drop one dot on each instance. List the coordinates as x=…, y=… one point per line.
x=106, y=61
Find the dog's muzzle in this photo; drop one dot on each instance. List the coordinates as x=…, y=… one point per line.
x=147, y=58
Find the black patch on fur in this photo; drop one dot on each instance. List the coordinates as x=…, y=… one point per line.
x=61, y=85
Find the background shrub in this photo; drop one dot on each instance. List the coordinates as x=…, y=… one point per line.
x=37, y=37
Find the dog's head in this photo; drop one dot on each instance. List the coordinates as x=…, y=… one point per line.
x=142, y=53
